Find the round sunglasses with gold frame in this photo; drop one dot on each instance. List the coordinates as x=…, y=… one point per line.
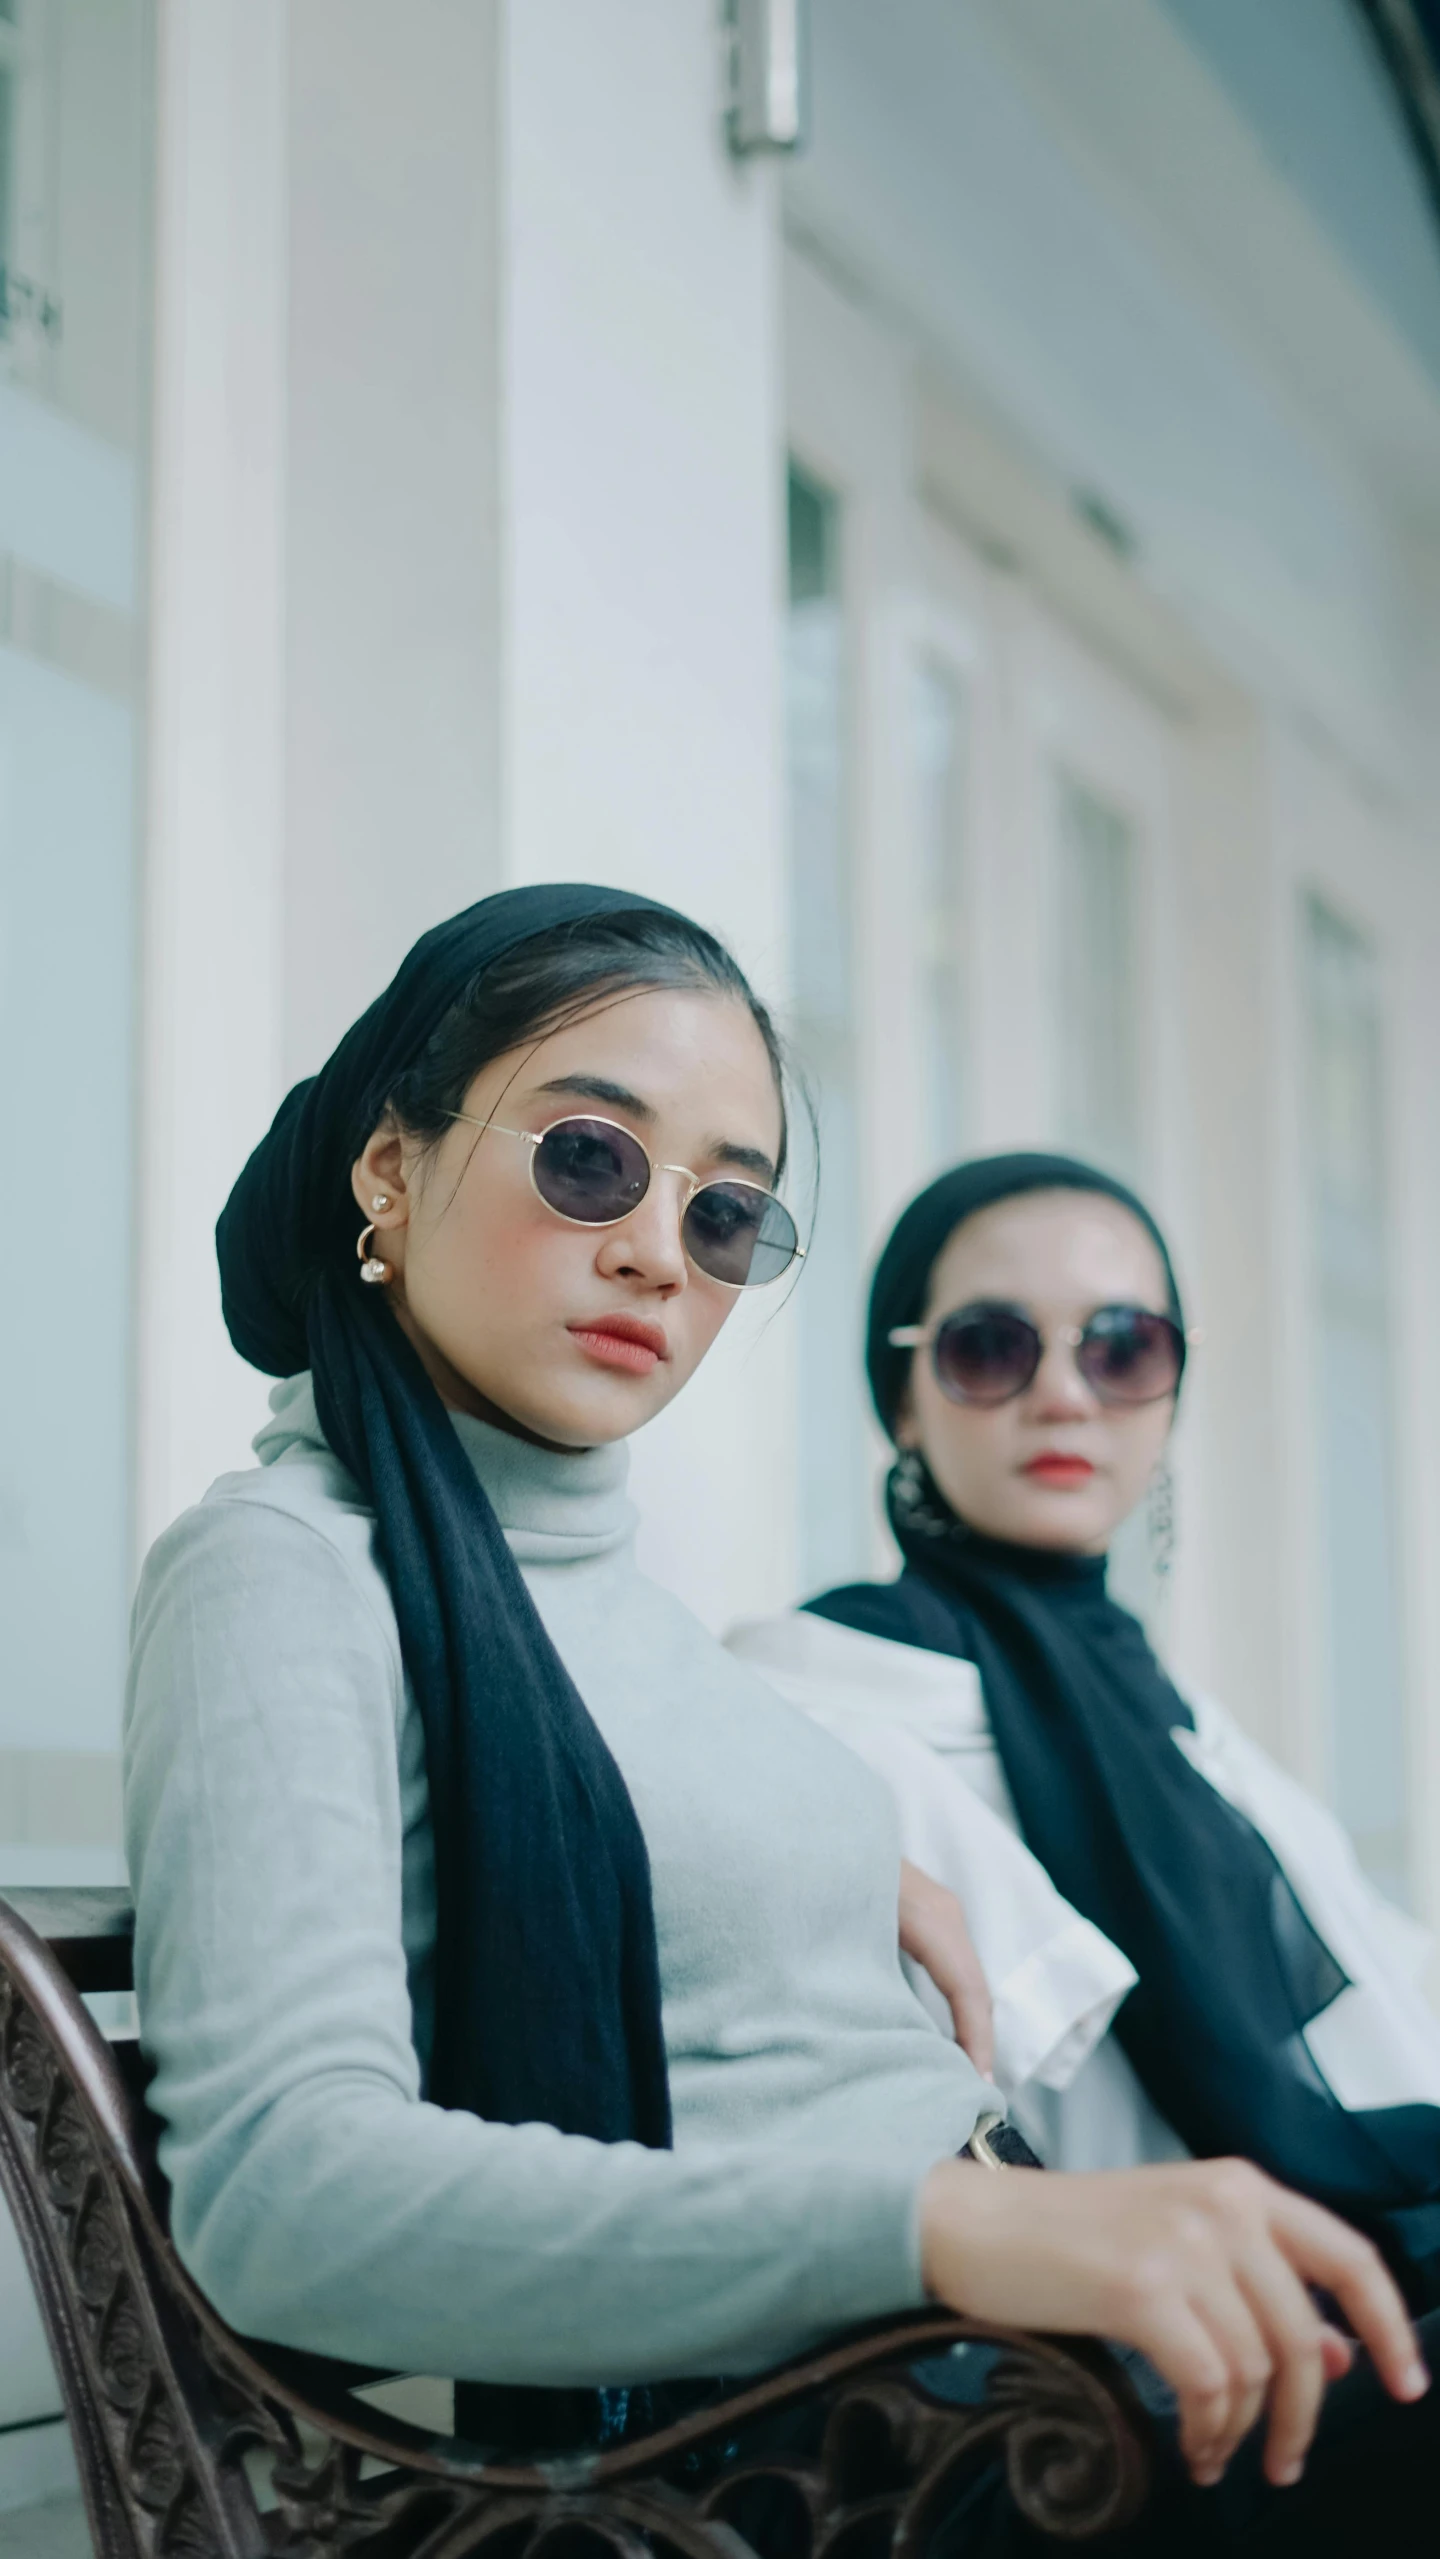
x=989, y=1352
x=595, y=1172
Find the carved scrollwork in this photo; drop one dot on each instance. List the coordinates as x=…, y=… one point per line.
x=890, y=2463
x=195, y=2448
x=67, y=2154
x=1073, y=2459
x=123, y=2351
x=29, y=2070
x=895, y=2459
x=187, y=2531
x=98, y=2252
x=159, y=2464
x=149, y=2494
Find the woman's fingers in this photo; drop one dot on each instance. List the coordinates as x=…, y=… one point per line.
x=1337, y=2352
x=933, y=1932
x=1204, y=2267
x=1184, y=2350
x=969, y=1997
x=1249, y=2365
x=1328, y=2253
x=1296, y=2336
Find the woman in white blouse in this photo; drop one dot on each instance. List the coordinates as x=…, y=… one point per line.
x=1181, y=1951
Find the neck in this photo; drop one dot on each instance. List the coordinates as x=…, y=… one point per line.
x=456, y=1392
x=1031, y=1563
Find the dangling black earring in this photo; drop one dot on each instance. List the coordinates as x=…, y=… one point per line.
x=1160, y=1521
x=916, y=1502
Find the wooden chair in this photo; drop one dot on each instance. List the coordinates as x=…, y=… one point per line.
x=195, y=2443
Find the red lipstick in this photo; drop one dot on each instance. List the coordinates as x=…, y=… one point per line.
x=622, y=1341
x=1059, y=1467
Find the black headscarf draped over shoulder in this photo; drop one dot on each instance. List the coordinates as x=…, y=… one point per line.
x=547, y=1986
x=1085, y=1721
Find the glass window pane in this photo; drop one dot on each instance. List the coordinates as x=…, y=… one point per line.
x=1097, y=966
x=1346, y=1143
x=7, y=188
x=834, y=1524
x=939, y=743
x=74, y=378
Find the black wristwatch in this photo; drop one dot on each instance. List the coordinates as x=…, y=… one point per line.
x=996, y=2144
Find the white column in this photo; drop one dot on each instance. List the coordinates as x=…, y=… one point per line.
x=209, y=1058
x=392, y=782
x=642, y=510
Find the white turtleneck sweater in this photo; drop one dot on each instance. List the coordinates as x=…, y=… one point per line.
x=280, y=1852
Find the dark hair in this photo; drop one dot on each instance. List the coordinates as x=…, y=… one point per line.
x=559, y=976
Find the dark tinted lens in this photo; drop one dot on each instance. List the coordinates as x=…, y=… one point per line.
x=738, y=1233
x=1130, y=1356
x=591, y=1171
x=985, y=1355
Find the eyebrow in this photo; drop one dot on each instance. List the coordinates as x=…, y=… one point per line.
x=598, y=1088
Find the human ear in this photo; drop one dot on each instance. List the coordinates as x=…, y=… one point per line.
x=905, y=1430
x=377, y=1178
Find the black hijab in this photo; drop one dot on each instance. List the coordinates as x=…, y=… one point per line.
x=1230, y=1969
x=547, y=1984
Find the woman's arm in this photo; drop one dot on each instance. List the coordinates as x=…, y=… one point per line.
x=317, y=2198
x=933, y=1933
x=320, y=2201
x=1204, y=2267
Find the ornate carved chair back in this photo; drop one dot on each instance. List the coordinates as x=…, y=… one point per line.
x=146, y=2417
x=194, y=2443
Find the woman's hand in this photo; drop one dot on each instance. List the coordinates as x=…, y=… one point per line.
x=933, y=1931
x=1203, y=2267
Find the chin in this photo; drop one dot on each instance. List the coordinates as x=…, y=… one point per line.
x=592, y=1416
x=1060, y=1525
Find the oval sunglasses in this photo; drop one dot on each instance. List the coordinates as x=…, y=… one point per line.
x=593, y=1172
x=987, y=1353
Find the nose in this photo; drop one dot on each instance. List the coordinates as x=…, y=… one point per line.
x=647, y=1246
x=1058, y=1392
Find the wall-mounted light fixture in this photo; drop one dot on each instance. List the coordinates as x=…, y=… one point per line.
x=767, y=97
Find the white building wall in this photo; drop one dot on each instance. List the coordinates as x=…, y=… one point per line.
x=513, y=245
x=393, y=635
x=468, y=559
x=642, y=512
x=466, y=565
x=214, y=887
x=1111, y=267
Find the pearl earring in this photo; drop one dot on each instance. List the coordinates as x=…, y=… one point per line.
x=380, y=1201
x=372, y=1268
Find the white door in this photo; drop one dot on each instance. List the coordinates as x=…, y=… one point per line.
x=1358, y=934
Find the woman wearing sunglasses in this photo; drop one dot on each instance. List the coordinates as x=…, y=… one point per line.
x=522, y=1987
x=1182, y=1954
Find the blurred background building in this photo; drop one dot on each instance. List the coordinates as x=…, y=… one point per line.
x=986, y=562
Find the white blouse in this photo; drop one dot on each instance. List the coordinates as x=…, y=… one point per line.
x=920, y=1721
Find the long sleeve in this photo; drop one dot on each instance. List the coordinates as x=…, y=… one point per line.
x=317, y=2197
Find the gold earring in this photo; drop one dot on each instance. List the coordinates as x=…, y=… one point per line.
x=371, y=1267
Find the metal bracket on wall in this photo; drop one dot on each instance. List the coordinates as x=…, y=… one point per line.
x=767, y=75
